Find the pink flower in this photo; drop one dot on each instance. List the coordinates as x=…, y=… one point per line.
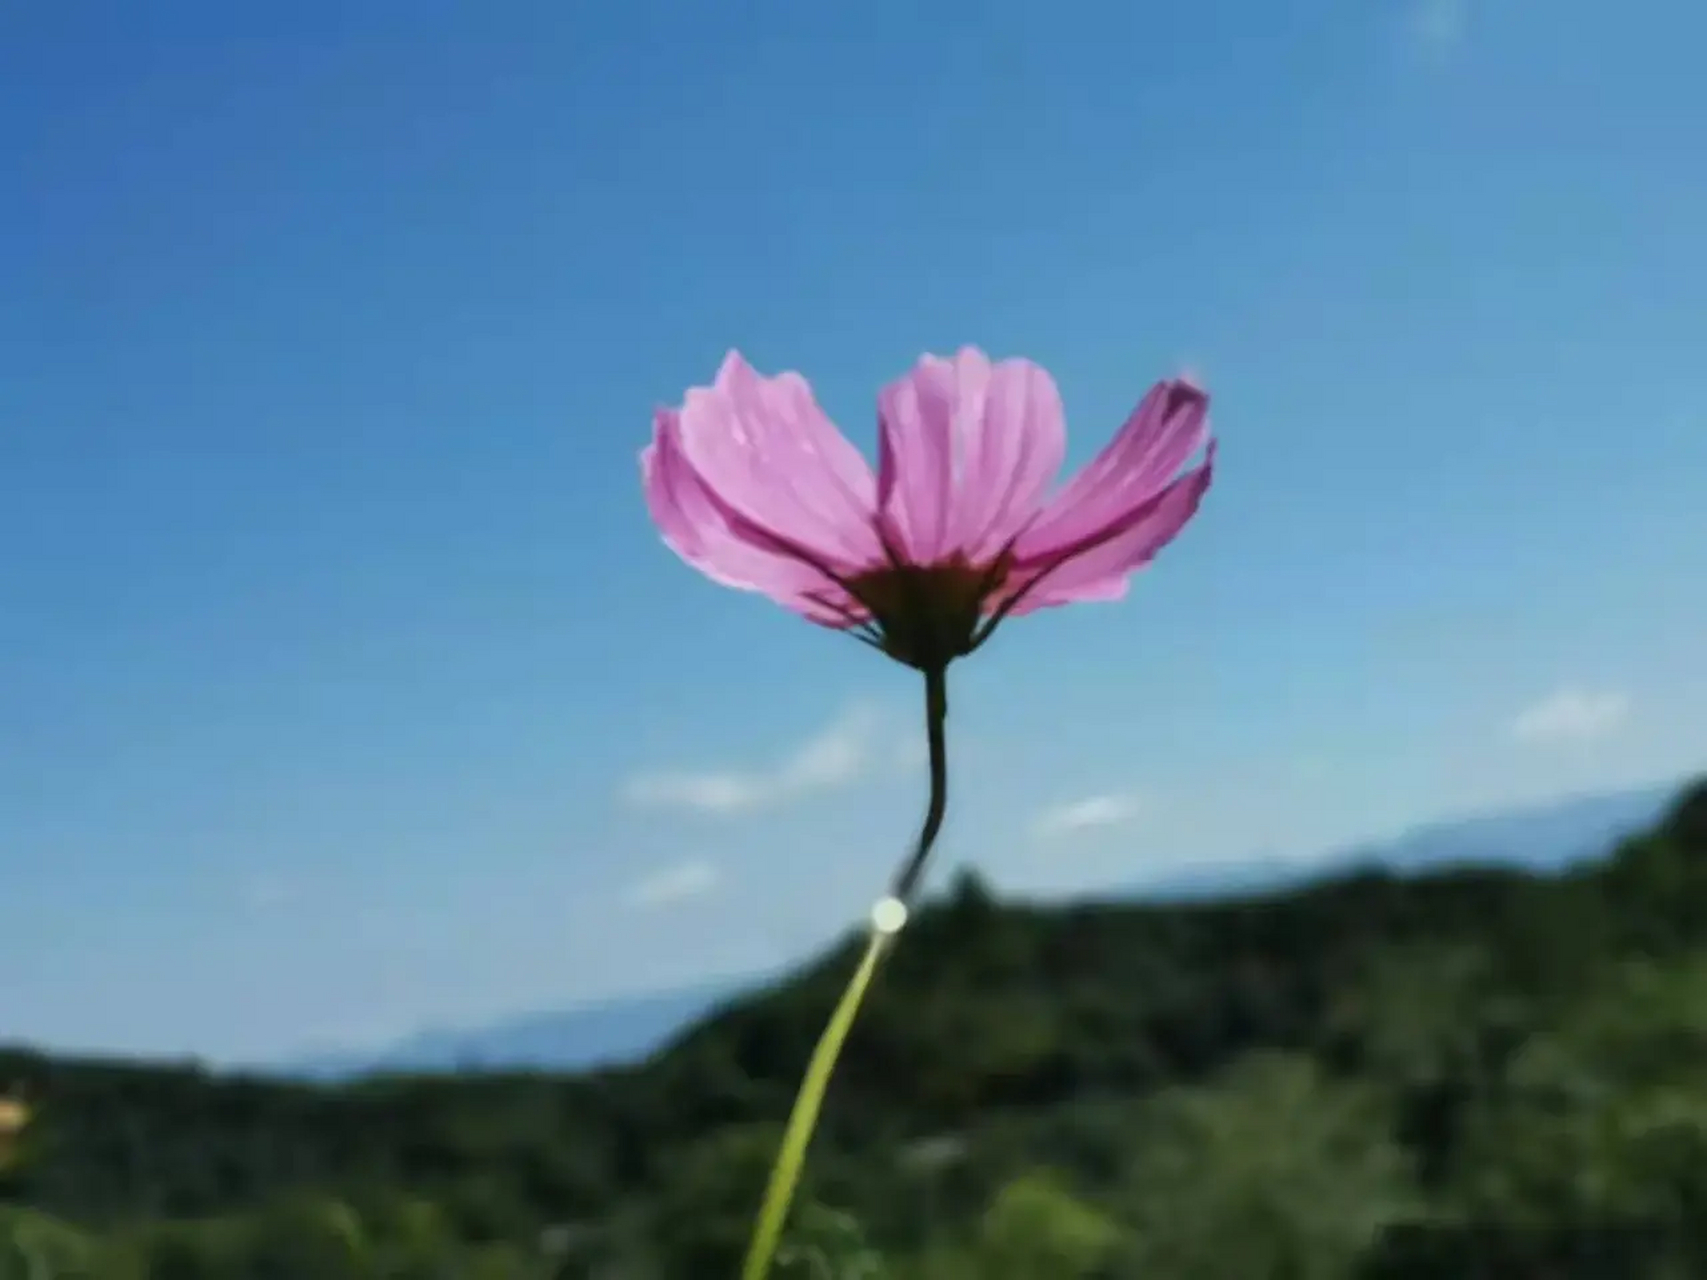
x=752, y=484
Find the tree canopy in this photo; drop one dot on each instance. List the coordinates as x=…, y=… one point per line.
x=1374, y=1077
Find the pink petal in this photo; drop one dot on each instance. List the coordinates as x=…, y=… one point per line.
x=765, y=449
x=1102, y=570
x=1165, y=431
x=720, y=543
x=966, y=449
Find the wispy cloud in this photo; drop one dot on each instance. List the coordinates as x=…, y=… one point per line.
x=268, y=892
x=1571, y=714
x=837, y=756
x=1438, y=26
x=1111, y=809
x=691, y=879
x=1192, y=368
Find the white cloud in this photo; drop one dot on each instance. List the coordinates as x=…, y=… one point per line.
x=707, y=792
x=838, y=755
x=841, y=754
x=267, y=892
x=693, y=879
x=1108, y=810
x=1571, y=715
x=1439, y=25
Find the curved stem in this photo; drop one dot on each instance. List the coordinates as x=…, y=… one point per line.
x=906, y=881
x=785, y=1174
x=803, y=1119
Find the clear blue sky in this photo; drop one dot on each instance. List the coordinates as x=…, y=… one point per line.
x=345, y=688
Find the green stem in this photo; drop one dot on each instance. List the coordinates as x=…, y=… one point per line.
x=887, y=921
x=785, y=1175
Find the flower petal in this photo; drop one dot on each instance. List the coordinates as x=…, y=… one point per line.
x=1012, y=461
x=1101, y=570
x=765, y=449
x=721, y=544
x=1165, y=431
x=966, y=449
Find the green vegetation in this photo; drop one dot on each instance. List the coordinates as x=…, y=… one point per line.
x=1474, y=1073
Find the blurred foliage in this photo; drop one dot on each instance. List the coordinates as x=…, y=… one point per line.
x=1378, y=1077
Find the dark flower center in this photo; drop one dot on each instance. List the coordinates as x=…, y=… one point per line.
x=928, y=615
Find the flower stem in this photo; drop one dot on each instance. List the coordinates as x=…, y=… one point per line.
x=906, y=882
x=887, y=918
x=785, y=1174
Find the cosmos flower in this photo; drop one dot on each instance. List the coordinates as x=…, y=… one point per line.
x=751, y=483
x=754, y=486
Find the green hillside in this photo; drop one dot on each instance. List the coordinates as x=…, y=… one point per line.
x=1455, y=1075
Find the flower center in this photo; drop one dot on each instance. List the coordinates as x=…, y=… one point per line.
x=927, y=615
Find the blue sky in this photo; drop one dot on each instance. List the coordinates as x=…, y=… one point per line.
x=345, y=688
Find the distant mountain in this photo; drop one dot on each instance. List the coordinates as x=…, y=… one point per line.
x=1539, y=837
x=592, y=1035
